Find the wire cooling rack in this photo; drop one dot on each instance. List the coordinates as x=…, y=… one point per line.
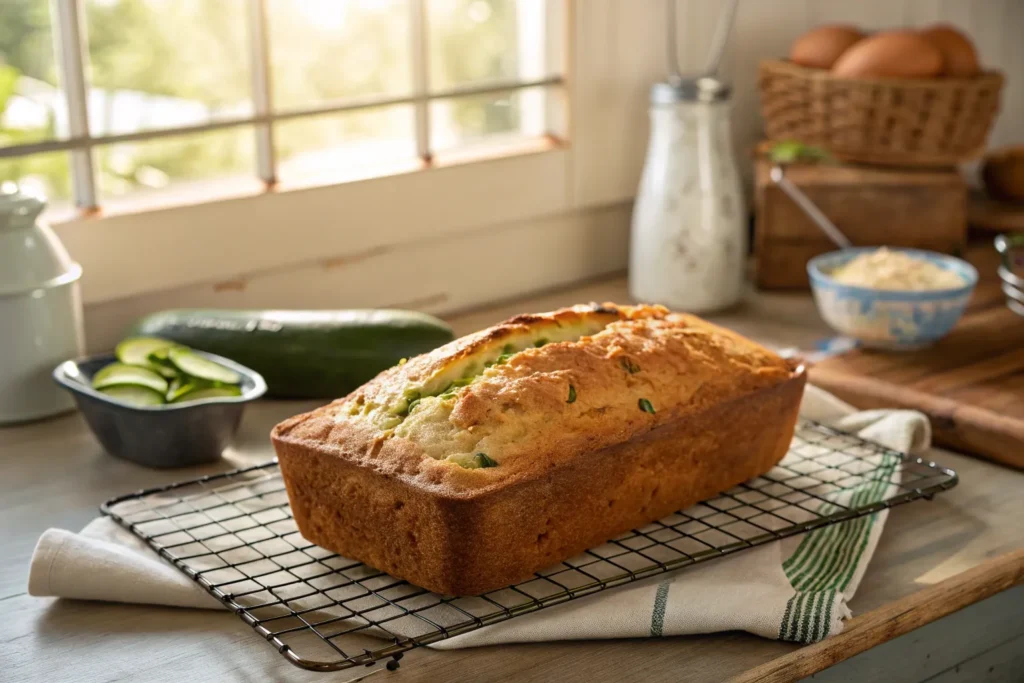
x=234, y=535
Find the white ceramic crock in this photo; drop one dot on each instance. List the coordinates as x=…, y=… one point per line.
x=40, y=310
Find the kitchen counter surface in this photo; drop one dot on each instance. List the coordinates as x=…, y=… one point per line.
x=934, y=558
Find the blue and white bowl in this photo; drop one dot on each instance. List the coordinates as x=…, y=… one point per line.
x=890, y=319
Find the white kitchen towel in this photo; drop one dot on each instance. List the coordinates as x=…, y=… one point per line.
x=796, y=589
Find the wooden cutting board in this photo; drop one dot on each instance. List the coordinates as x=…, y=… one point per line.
x=971, y=383
x=989, y=215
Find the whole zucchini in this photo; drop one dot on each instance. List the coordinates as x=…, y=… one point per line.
x=303, y=354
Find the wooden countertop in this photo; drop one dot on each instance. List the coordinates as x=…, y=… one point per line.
x=934, y=557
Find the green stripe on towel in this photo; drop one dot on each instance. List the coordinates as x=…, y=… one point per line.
x=826, y=560
x=660, y=600
x=816, y=625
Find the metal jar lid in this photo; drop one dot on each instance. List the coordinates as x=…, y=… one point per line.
x=700, y=89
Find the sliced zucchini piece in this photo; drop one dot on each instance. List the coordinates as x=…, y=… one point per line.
x=136, y=350
x=168, y=372
x=120, y=374
x=133, y=395
x=158, y=362
x=197, y=394
x=197, y=366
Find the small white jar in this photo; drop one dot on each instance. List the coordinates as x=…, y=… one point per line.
x=689, y=233
x=40, y=310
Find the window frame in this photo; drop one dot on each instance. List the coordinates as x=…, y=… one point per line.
x=71, y=49
x=559, y=194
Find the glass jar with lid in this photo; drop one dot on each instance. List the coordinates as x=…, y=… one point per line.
x=689, y=231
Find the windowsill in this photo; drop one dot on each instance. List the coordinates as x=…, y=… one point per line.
x=497, y=149
x=230, y=189
x=309, y=225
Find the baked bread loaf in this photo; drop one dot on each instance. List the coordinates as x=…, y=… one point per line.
x=507, y=451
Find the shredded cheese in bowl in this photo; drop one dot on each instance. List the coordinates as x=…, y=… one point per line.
x=896, y=270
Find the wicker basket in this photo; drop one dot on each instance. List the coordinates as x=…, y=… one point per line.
x=886, y=121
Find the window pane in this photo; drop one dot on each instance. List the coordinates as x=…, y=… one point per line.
x=46, y=174
x=461, y=122
x=345, y=146
x=166, y=63
x=178, y=169
x=324, y=50
x=31, y=101
x=474, y=41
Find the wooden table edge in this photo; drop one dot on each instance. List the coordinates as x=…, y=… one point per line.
x=895, y=619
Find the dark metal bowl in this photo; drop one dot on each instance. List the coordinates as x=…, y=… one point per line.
x=172, y=435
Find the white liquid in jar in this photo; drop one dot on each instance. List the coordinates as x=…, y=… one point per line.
x=689, y=237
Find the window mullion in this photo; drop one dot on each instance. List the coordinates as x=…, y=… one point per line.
x=420, y=55
x=70, y=43
x=259, y=50
x=556, y=63
x=532, y=64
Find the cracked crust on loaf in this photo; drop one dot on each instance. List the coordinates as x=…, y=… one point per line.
x=518, y=413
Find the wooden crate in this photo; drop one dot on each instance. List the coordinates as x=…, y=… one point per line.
x=926, y=209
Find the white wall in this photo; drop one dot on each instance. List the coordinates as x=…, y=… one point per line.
x=515, y=244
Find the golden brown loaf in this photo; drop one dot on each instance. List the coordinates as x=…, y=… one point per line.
x=506, y=451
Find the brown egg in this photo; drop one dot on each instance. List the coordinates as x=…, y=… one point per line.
x=893, y=54
x=1003, y=173
x=819, y=48
x=959, y=58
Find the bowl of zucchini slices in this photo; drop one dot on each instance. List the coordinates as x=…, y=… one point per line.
x=161, y=404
